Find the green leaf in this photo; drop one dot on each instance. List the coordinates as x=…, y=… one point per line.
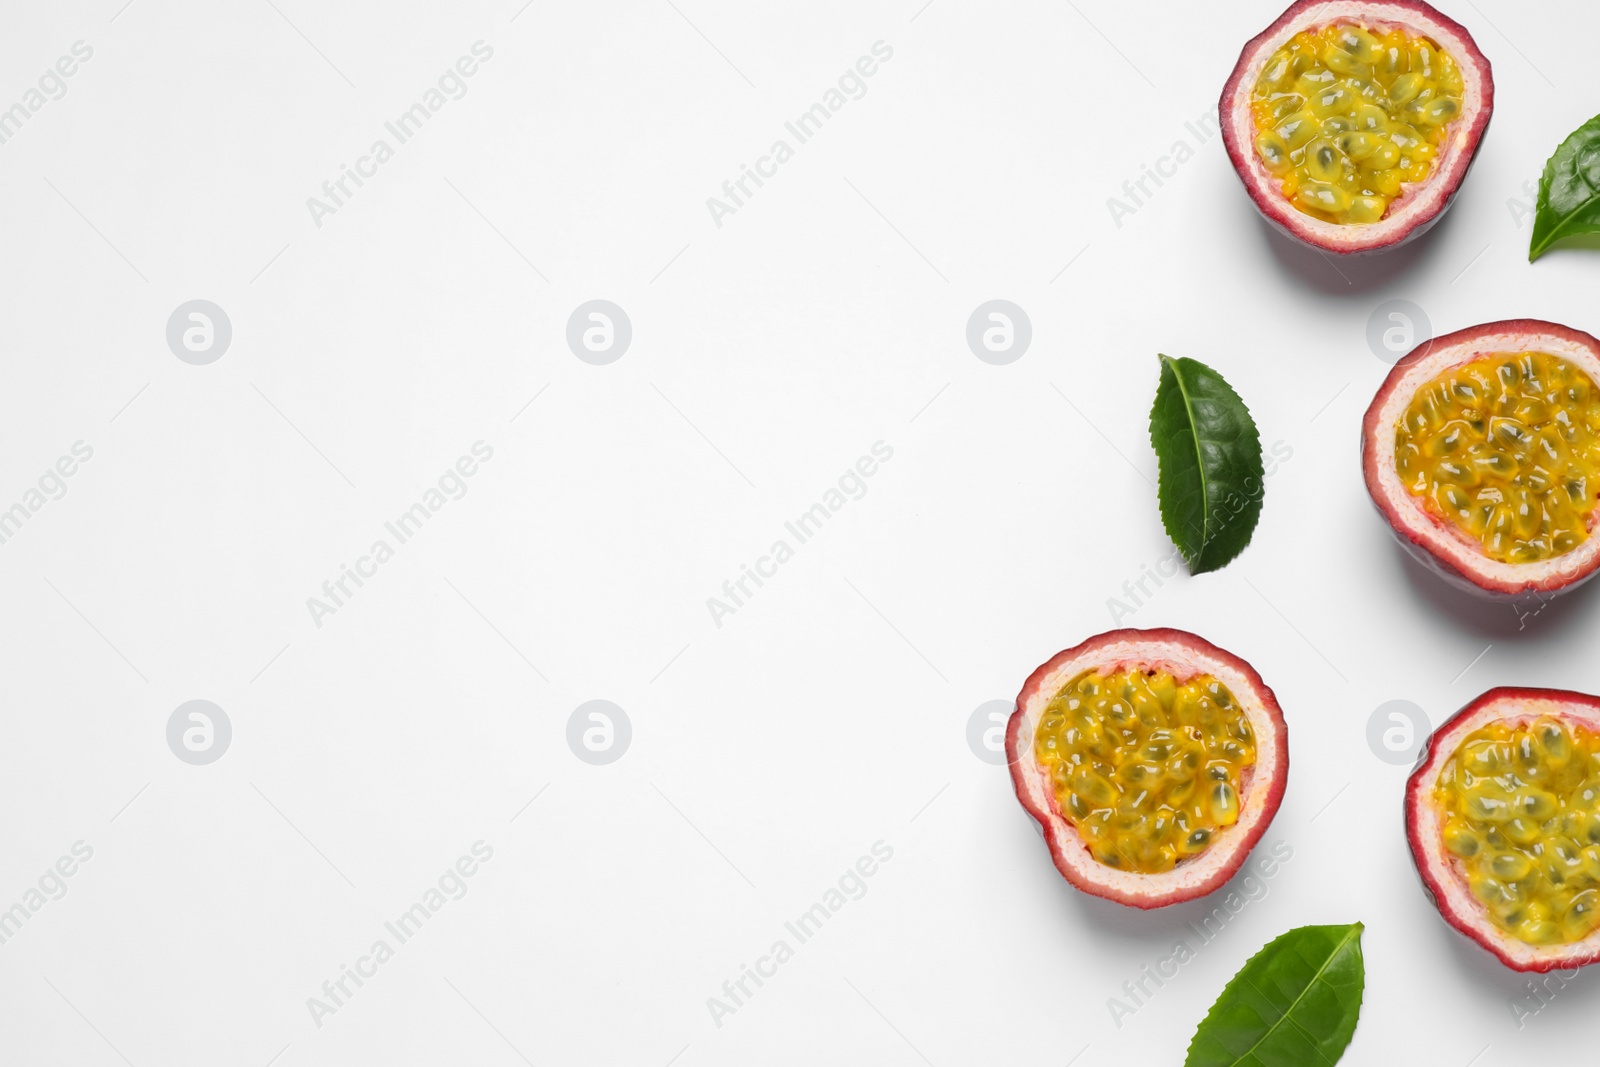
x=1294, y=1004
x=1210, y=456
x=1569, y=191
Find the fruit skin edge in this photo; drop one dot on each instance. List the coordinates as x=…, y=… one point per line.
x=1051, y=826
x=1500, y=591
x=1260, y=184
x=1434, y=866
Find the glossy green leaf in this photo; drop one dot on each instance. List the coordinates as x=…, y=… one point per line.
x=1569, y=191
x=1294, y=1004
x=1210, y=457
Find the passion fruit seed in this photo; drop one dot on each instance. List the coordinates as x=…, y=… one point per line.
x=1346, y=116
x=1146, y=769
x=1507, y=449
x=1517, y=805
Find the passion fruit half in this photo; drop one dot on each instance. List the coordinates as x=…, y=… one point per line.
x=1153, y=762
x=1482, y=450
x=1503, y=817
x=1352, y=124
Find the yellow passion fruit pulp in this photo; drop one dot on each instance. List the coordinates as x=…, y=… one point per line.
x=1519, y=807
x=1506, y=448
x=1147, y=769
x=1346, y=116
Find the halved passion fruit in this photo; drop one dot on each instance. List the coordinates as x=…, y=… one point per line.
x=1482, y=450
x=1503, y=817
x=1153, y=762
x=1352, y=124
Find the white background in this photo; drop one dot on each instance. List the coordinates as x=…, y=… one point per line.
x=830, y=711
